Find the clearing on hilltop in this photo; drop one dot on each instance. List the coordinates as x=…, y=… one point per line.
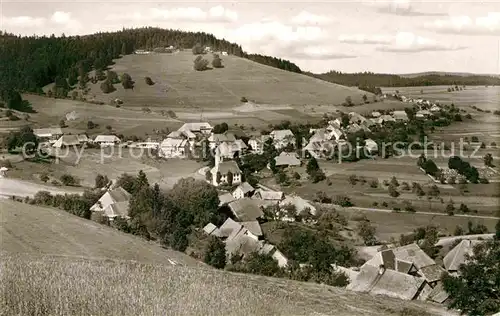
x=177, y=84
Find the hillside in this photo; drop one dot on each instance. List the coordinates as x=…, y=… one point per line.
x=55, y=264
x=178, y=85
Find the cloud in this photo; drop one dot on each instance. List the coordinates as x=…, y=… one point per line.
x=182, y=14
x=410, y=43
x=60, y=17
x=366, y=39
x=401, y=42
x=66, y=22
x=21, y=22
x=399, y=7
x=319, y=53
x=277, y=32
x=465, y=25
x=307, y=18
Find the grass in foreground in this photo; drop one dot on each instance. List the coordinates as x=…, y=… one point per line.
x=58, y=286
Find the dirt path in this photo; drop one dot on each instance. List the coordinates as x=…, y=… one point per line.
x=10, y=187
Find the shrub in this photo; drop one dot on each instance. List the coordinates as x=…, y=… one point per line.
x=217, y=61
x=215, y=254
x=343, y=201
x=200, y=64
x=296, y=176
x=353, y=179
x=62, y=124
x=68, y=180
x=384, y=204
x=463, y=208
x=244, y=100
x=91, y=125
x=44, y=177
x=107, y=87
x=149, y=81
x=367, y=232
x=374, y=183
x=127, y=81
x=101, y=181
x=392, y=191
x=198, y=49
x=405, y=186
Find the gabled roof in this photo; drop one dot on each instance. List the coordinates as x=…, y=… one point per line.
x=356, y=117
x=67, y=140
x=287, y=159
x=432, y=273
x=211, y=229
x=47, y=132
x=246, y=209
x=119, y=194
x=457, y=255
x=371, y=145
x=243, y=244
x=227, y=166
x=113, y=203
x=225, y=198
x=225, y=137
x=174, y=142
x=181, y=134
x=253, y=227
x=409, y=253
x=106, y=139
x=228, y=227
x=268, y=195
x=281, y=134
x=299, y=203
x=245, y=187
x=241, y=144
x=438, y=294
x=386, y=282
x=196, y=127
x=119, y=209
x=400, y=115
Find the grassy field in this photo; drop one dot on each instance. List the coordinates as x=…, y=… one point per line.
x=53, y=263
x=178, y=85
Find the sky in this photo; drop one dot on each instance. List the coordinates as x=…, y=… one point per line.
x=383, y=36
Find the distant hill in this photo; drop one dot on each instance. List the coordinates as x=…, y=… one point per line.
x=444, y=73
x=60, y=264
x=178, y=85
x=368, y=80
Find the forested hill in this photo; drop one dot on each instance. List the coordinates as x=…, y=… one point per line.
x=29, y=63
x=370, y=79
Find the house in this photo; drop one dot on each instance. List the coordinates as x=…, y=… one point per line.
x=174, y=148
x=423, y=114
x=376, y=114
x=300, y=205
x=66, y=141
x=72, y=116
x=145, y=145
x=223, y=170
x=319, y=150
x=246, y=209
x=228, y=150
x=224, y=53
x=107, y=140
x=182, y=135
x=282, y=138
x=371, y=146
x=355, y=117
x=287, y=160
x=113, y=203
x=48, y=134
x=435, y=108
x=202, y=128
x=278, y=256
x=335, y=132
x=253, y=227
x=384, y=281
x=212, y=230
x=400, y=116
x=216, y=139
x=243, y=190
x=385, y=118
x=229, y=227
x=458, y=255
x=408, y=259
x=242, y=244
x=225, y=198
x=257, y=144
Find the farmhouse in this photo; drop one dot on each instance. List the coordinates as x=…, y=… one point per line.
x=70, y=140
x=216, y=139
x=423, y=114
x=113, y=203
x=243, y=190
x=107, y=140
x=225, y=198
x=268, y=197
x=212, y=230
x=282, y=138
x=278, y=256
x=174, y=148
x=356, y=118
x=371, y=146
x=257, y=144
x=435, y=108
x=458, y=255
x=48, y=134
x=246, y=209
x=400, y=115
x=385, y=118
x=228, y=150
x=287, y=160
x=301, y=206
x=182, y=135
x=224, y=170
x=200, y=128
x=376, y=114
x=320, y=149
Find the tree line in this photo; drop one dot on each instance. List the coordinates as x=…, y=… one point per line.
x=369, y=80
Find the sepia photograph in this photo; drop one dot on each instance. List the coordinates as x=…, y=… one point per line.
x=249, y=157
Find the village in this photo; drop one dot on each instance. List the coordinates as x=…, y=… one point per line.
x=400, y=271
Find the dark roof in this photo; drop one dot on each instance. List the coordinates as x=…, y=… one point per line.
x=228, y=166
x=246, y=209
x=432, y=273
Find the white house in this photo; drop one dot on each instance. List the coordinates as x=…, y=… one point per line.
x=113, y=203
x=287, y=160
x=282, y=138
x=174, y=148
x=257, y=144
x=48, y=134
x=400, y=115
x=301, y=205
x=423, y=114
x=269, y=249
x=224, y=53
x=243, y=190
x=376, y=114
x=203, y=128
x=371, y=146
x=223, y=169
x=107, y=140
x=70, y=140
x=435, y=108
x=216, y=139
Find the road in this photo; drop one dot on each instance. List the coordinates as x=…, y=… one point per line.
x=10, y=187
